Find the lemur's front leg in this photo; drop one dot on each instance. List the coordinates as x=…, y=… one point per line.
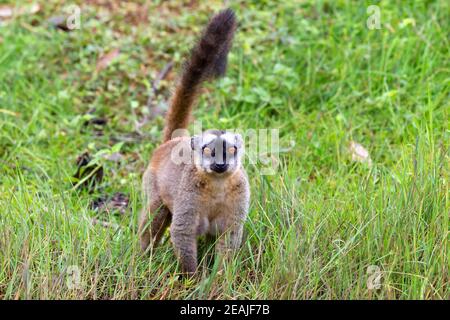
x=230, y=240
x=232, y=225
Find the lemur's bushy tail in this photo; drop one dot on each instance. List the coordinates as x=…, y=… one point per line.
x=208, y=60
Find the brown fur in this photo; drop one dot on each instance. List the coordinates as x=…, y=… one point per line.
x=208, y=60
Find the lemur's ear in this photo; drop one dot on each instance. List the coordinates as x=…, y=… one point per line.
x=238, y=140
x=194, y=142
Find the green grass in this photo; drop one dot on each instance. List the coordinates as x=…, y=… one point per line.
x=311, y=69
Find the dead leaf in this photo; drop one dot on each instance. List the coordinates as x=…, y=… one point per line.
x=118, y=202
x=88, y=175
x=97, y=124
x=359, y=153
x=105, y=60
x=8, y=12
x=34, y=8
x=59, y=22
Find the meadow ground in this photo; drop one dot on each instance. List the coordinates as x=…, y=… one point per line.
x=322, y=227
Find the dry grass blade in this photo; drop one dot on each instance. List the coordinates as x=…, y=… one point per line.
x=105, y=60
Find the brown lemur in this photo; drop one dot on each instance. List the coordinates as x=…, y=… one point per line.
x=209, y=194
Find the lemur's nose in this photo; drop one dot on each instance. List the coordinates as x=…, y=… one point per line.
x=219, y=168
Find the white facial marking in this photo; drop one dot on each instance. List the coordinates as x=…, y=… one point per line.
x=211, y=153
x=208, y=138
x=229, y=137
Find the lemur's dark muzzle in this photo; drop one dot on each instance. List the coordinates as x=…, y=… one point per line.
x=219, y=168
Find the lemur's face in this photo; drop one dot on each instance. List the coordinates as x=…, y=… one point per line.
x=217, y=152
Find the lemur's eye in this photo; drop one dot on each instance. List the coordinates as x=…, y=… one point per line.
x=232, y=150
x=207, y=151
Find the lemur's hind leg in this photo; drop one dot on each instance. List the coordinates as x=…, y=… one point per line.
x=154, y=212
x=160, y=219
x=183, y=233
